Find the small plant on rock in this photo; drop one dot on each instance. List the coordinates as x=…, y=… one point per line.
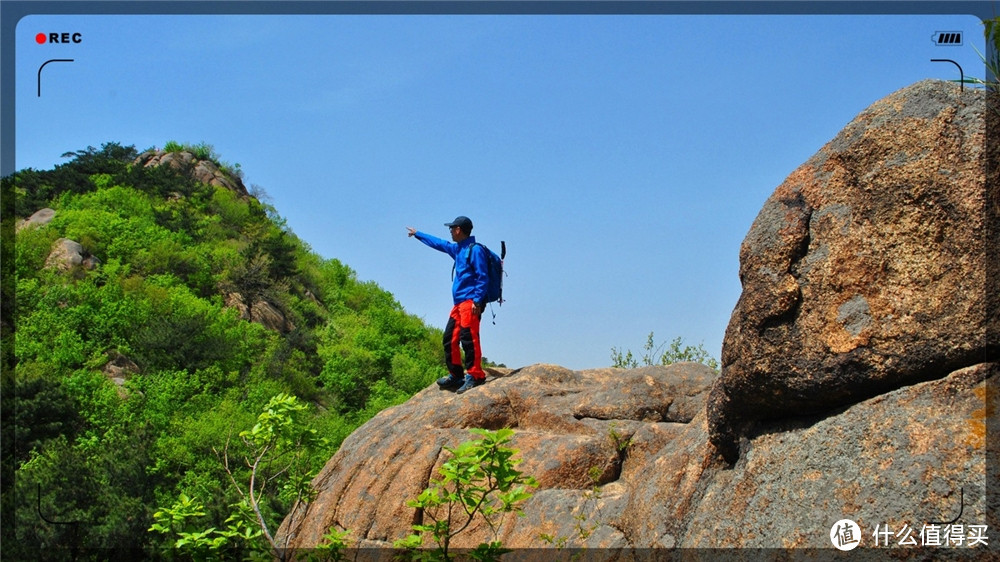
x=663, y=354
x=479, y=481
x=333, y=548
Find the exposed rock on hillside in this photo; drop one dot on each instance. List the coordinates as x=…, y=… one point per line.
x=67, y=254
x=40, y=218
x=261, y=312
x=204, y=171
x=867, y=268
x=859, y=380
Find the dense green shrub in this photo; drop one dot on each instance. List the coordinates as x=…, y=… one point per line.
x=99, y=455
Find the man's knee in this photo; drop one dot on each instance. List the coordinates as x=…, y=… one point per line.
x=469, y=339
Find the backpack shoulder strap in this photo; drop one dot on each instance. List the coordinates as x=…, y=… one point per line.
x=471, y=246
x=468, y=259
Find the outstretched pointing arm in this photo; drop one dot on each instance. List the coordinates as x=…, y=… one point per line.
x=438, y=244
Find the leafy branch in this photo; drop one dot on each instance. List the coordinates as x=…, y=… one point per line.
x=276, y=457
x=991, y=32
x=191, y=539
x=277, y=445
x=480, y=480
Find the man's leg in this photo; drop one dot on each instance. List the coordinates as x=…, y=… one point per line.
x=452, y=352
x=469, y=334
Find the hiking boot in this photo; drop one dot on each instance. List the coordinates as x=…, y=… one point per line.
x=470, y=383
x=450, y=382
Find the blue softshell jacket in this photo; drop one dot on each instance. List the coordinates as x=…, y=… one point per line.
x=470, y=275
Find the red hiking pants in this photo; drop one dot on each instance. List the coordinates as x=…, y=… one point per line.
x=462, y=334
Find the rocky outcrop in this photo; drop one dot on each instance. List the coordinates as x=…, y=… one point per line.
x=582, y=428
x=616, y=455
x=914, y=456
x=39, y=218
x=867, y=268
x=261, y=312
x=118, y=370
x=202, y=170
x=859, y=382
x=67, y=254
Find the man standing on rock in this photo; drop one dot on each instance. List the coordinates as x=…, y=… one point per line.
x=469, y=292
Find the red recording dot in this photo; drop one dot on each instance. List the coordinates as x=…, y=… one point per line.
x=40, y=38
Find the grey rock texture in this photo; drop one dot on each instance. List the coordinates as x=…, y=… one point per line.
x=67, y=254
x=40, y=218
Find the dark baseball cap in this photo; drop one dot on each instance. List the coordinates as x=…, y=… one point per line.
x=464, y=222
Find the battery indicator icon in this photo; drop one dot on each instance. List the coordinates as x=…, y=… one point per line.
x=947, y=38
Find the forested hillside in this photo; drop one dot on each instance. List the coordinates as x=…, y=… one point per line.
x=135, y=367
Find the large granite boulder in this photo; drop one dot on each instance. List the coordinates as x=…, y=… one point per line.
x=867, y=268
x=66, y=255
x=916, y=456
x=38, y=219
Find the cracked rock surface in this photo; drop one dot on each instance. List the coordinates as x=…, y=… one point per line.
x=606, y=465
x=575, y=430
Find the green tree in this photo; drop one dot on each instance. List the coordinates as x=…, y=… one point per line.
x=187, y=368
x=271, y=468
x=277, y=455
x=44, y=410
x=34, y=190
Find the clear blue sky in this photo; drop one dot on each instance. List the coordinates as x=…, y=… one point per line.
x=622, y=158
